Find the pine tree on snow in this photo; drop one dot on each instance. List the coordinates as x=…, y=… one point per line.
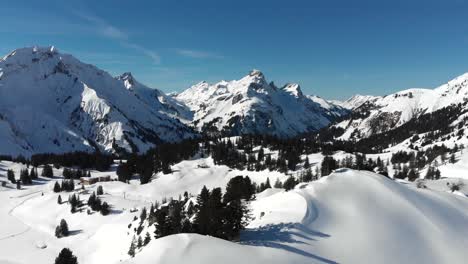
x=66, y=257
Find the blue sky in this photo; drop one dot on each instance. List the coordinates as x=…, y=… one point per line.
x=332, y=48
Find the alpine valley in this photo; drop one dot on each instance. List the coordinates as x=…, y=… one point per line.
x=97, y=168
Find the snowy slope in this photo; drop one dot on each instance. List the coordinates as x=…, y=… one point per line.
x=356, y=101
x=156, y=99
x=252, y=105
x=52, y=102
x=380, y=114
x=348, y=217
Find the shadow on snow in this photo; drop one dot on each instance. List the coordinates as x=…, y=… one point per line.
x=285, y=236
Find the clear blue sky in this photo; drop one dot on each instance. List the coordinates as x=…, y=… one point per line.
x=332, y=48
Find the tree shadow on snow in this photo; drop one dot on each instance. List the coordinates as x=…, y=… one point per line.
x=278, y=236
x=75, y=232
x=115, y=211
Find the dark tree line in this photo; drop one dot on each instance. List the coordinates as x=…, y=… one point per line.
x=75, y=174
x=82, y=160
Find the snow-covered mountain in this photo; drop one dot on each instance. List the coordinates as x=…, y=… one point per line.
x=373, y=115
x=252, y=105
x=52, y=102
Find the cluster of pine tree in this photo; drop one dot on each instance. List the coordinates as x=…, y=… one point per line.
x=62, y=229
x=75, y=174
x=241, y=155
x=95, y=203
x=47, y=171
x=215, y=214
x=432, y=173
x=218, y=215
x=66, y=185
x=26, y=176
x=75, y=203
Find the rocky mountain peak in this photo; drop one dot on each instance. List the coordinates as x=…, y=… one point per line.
x=293, y=89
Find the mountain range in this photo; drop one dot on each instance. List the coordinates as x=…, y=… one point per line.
x=53, y=102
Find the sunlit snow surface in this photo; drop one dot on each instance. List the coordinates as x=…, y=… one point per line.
x=347, y=217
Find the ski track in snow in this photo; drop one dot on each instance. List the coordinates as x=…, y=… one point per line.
x=10, y=213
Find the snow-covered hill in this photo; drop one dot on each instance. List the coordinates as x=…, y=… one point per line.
x=52, y=102
x=252, y=105
x=372, y=115
x=347, y=217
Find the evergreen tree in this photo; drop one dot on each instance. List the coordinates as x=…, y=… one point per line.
x=161, y=223
x=11, y=176
x=66, y=257
x=240, y=188
x=92, y=200
x=131, y=250
x=202, y=219
x=186, y=226
x=100, y=190
x=147, y=239
x=140, y=242
x=67, y=185
x=143, y=215
x=308, y=176
x=24, y=177
x=174, y=217
x=59, y=199
x=261, y=154
x=328, y=165
x=216, y=210
x=47, y=171
x=33, y=173
x=413, y=175
x=123, y=172
x=267, y=183
x=105, y=208
x=57, y=188
x=289, y=183
x=306, y=163
x=278, y=184
x=73, y=200
x=236, y=219
x=62, y=229
x=452, y=158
